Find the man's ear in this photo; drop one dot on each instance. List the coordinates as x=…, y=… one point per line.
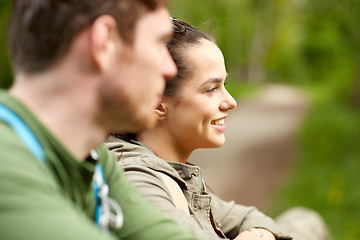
x=161, y=111
x=103, y=41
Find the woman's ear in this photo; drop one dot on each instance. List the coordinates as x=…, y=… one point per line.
x=161, y=111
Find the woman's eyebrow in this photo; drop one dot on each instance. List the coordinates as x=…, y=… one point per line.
x=215, y=80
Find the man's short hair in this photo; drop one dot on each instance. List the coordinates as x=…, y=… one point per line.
x=41, y=31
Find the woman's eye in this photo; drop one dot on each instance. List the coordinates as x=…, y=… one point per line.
x=212, y=89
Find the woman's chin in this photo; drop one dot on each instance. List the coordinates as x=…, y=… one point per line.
x=216, y=144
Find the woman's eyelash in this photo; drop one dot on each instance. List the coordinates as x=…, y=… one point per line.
x=212, y=89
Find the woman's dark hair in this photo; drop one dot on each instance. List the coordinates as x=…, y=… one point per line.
x=129, y=137
x=184, y=36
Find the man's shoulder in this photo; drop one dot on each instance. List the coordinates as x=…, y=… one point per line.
x=20, y=168
x=10, y=143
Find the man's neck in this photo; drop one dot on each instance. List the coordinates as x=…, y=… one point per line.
x=68, y=112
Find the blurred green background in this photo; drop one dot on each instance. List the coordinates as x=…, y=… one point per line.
x=313, y=45
x=5, y=70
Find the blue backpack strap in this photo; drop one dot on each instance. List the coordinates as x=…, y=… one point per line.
x=23, y=131
x=108, y=212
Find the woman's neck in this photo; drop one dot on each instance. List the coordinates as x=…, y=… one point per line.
x=164, y=146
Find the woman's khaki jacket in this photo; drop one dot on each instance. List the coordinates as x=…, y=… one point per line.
x=210, y=217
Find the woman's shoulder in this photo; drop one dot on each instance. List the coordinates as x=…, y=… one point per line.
x=134, y=156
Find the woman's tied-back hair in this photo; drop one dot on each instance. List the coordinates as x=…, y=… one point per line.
x=183, y=38
x=41, y=31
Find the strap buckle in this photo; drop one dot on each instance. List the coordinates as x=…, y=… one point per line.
x=108, y=211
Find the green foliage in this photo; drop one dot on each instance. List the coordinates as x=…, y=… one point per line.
x=296, y=42
x=326, y=175
x=5, y=70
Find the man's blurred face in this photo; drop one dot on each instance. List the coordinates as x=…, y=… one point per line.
x=137, y=81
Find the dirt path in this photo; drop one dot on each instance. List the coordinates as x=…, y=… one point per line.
x=259, y=149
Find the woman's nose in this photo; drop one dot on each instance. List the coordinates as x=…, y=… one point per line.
x=228, y=103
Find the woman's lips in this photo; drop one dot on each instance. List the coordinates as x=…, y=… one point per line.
x=219, y=124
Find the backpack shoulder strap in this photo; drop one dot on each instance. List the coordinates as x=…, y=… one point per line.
x=176, y=193
x=23, y=131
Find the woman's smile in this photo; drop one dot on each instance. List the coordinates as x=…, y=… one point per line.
x=219, y=124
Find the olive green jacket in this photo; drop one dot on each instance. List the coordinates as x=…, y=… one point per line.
x=210, y=217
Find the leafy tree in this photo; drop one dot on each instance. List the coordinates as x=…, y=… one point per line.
x=5, y=70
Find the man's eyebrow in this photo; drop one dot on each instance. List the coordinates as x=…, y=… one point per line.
x=215, y=80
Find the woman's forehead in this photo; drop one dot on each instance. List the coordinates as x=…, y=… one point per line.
x=205, y=61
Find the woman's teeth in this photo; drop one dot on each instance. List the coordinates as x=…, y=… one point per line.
x=218, y=122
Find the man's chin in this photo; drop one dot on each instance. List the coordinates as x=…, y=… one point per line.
x=149, y=123
x=135, y=124
x=142, y=124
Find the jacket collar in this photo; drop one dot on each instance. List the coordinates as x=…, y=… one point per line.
x=191, y=174
x=131, y=150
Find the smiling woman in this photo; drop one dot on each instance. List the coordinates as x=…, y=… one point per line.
x=191, y=115
x=194, y=115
